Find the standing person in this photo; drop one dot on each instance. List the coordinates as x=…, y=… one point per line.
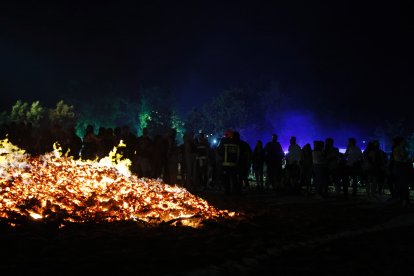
x=90, y=144
x=332, y=160
x=402, y=166
x=354, y=157
x=306, y=168
x=293, y=159
x=274, y=157
x=372, y=166
x=143, y=153
x=130, y=141
x=320, y=168
x=229, y=152
x=189, y=155
x=383, y=169
x=202, y=150
x=74, y=143
x=245, y=160
x=258, y=158
x=172, y=157
x=159, y=155
x=343, y=174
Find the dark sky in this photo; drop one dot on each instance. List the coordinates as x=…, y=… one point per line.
x=355, y=58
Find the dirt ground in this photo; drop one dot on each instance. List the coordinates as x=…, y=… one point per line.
x=283, y=235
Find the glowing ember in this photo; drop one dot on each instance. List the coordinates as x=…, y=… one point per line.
x=56, y=187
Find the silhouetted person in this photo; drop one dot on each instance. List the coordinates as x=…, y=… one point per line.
x=213, y=171
x=306, y=168
x=245, y=160
x=332, y=159
x=108, y=143
x=58, y=136
x=320, y=168
x=101, y=148
x=117, y=135
x=143, y=153
x=229, y=152
x=159, y=156
x=372, y=167
x=130, y=140
x=189, y=158
x=44, y=142
x=273, y=158
x=258, y=158
x=74, y=143
x=342, y=173
x=293, y=159
x=401, y=170
x=171, y=169
x=90, y=144
x=354, y=158
x=383, y=169
x=202, y=151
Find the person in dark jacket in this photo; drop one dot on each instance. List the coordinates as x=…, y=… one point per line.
x=273, y=158
x=258, y=158
x=229, y=152
x=245, y=161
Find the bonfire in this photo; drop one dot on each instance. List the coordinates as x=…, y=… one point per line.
x=54, y=187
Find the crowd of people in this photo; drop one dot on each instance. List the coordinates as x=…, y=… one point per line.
x=232, y=165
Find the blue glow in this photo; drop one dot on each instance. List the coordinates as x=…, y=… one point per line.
x=307, y=128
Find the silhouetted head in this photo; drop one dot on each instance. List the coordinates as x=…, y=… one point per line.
x=293, y=140
x=236, y=135
x=274, y=137
x=351, y=141
x=101, y=131
x=259, y=144
x=307, y=148
x=329, y=142
x=228, y=133
x=318, y=145
x=89, y=129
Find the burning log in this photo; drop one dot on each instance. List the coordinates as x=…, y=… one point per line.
x=52, y=186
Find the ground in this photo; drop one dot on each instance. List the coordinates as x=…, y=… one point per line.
x=283, y=235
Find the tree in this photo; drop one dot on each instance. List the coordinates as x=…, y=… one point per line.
x=19, y=112
x=35, y=114
x=232, y=109
x=23, y=112
x=63, y=114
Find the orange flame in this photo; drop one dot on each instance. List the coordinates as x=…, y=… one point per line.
x=53, y=186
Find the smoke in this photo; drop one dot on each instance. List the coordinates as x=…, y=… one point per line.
x=307, y=126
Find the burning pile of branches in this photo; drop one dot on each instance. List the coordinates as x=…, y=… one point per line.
x=53, y=187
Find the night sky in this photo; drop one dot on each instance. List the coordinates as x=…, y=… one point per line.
x=352, y=57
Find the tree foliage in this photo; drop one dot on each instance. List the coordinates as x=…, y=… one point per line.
x=23, y=112
x=63, y=114
x=236, y=109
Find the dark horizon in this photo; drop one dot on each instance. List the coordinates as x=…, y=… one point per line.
x=352, y=59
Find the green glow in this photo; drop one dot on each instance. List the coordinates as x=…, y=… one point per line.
x=178, y=124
